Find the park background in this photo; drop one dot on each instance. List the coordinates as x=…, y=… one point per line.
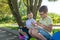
x=8, y=18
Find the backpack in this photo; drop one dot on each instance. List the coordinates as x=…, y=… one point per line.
x=21, y=37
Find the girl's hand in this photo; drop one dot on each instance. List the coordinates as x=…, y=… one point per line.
x=34, y=23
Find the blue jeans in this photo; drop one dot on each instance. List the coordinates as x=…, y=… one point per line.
x=44, y=33
x=26, y=37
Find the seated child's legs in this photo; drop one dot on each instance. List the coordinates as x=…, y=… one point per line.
x=30, y=31
x=37, y=35
x=25, y=32
x=44, y=33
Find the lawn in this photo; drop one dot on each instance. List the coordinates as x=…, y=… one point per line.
x=16, y=28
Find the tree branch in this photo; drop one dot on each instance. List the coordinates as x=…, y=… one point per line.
x=25, y=4
x=39, y=4
x=36, y=1
x=31, y=5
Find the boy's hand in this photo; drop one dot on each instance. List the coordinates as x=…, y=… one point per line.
x=41, y=25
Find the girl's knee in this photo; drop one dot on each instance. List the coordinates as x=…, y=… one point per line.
x=29, y=32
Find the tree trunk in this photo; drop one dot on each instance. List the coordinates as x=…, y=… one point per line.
x=14, y=9
x=28, y=9
x=34, y=14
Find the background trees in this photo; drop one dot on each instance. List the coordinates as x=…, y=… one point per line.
x=33, y=6
x=20, y=9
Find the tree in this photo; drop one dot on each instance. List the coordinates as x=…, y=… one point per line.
x=5, y=13
x=14, y=8
x=33, y=6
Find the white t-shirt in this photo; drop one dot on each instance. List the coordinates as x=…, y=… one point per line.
x=29, y=23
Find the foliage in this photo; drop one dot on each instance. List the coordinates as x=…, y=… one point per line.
x=5, y=12
x=55, y=17
x=55, y=30
x=6, y=15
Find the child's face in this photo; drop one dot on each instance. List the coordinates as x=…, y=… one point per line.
x=30, y=15
x=43, y=15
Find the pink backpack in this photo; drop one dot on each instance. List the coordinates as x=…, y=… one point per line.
x=21, y=37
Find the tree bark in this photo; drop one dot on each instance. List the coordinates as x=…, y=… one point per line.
x=14, y=9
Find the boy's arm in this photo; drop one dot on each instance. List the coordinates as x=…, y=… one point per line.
x=48, y=28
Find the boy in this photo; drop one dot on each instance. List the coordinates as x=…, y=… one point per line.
x=28, y=26
x=45, y=23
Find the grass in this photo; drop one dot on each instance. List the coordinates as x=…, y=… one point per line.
x=9, y=25
x=16, y=28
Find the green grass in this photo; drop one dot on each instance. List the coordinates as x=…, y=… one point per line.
x=32, y=38
x=55, y=30
x=16, y=28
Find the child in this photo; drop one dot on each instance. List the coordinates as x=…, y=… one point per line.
x=29, y=22
x=28, y=25
x=45, y=23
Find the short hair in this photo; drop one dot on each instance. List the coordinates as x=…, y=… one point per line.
x=29, y=12
x=43, y=9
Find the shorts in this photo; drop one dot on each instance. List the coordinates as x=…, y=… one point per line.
x=44, y=33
